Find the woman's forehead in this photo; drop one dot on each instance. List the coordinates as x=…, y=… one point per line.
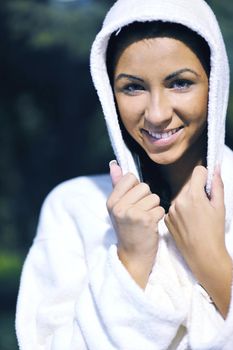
x=157, y=56
x=149, y=31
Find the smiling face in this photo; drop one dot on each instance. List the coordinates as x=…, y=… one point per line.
x=161, y=90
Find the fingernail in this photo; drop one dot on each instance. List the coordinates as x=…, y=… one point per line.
x=112, y=162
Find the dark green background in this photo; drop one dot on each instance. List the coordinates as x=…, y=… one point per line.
x=51, y=124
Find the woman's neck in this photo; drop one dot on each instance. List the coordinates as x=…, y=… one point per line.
x=177, y=174
x=168, y=180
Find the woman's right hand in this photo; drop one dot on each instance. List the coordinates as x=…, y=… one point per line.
x=135, y=213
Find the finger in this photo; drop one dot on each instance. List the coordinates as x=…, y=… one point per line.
x=217, y=189
x=137, y=193
x=158, y=213
x=149, y=202
x=124, y=184
x=198, y=181
x=115, y=172
x=167, y=221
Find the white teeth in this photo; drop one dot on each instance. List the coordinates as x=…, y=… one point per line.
x=163, y=135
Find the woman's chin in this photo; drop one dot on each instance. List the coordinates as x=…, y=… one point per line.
x=164, y=159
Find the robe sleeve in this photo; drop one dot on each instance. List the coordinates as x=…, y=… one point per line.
x=66, y=302
x=53, y=273
x=207, y=328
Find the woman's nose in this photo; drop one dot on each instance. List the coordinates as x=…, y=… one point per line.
x=159, y=110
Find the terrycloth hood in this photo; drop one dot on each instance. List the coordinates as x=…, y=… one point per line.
x=196, y=15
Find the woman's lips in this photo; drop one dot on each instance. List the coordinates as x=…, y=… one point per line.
x=162, y=138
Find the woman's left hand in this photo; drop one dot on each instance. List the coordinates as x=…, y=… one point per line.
x=197, y=225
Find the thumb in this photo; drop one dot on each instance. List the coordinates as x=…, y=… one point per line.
x=115, y=172
x=198, y=180
x=217, y=190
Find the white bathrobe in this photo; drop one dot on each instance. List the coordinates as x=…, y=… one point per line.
x=75, y=294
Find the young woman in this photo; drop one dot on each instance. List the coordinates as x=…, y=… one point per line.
x=142, y=259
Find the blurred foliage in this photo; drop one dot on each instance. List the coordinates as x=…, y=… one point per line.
x=51, y=123
x=7, y=338
x=49, y=115
x=47, y=27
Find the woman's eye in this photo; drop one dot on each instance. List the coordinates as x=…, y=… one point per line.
x=132, y=88
x=181, y=84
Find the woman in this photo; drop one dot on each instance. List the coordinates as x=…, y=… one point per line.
x=154, y=271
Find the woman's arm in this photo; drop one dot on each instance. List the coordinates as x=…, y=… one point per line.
x=135, y=213
x=197, y=224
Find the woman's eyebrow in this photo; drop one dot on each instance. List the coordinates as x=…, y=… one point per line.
x=180, y=71
x=128, y=76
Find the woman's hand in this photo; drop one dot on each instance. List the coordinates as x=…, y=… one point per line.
x=135, y=213
x=197, y=225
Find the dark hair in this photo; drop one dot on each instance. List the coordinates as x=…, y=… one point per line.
x=147, y=30
x=134, y=32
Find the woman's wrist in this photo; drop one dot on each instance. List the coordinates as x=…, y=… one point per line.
x=138, y=265
x=216, y=279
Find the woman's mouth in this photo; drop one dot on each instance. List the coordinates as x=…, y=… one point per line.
x=163, y=135
x=162, y=138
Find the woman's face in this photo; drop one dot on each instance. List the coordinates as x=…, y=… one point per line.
x=161, y=90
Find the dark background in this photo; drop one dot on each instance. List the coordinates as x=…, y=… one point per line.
x=51, y=125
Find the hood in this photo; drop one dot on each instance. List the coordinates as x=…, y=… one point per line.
x=196, y=15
